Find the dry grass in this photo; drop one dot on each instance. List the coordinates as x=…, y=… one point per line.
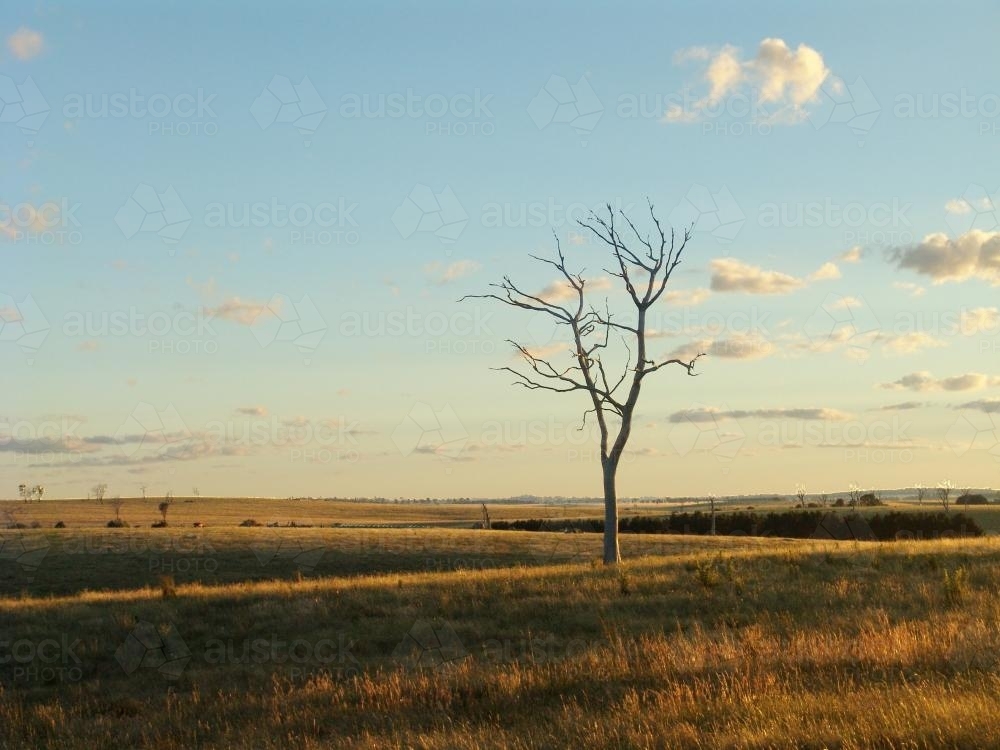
x=717, y=643
x=217, y=511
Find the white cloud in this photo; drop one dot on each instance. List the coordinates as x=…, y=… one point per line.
x=908, y=343
x=25, y=43
x=738, y=346
x=914, y=290
x=975, y=254
x=854, y=255
x=731, y=275
x=687, y=297
x=979, y=320
x=236, y=310
x=452, y=272
x=561, y=290
x=709, y=414
x=777, y=75
x=252, y=411
x=826, y=272
x=958, y=206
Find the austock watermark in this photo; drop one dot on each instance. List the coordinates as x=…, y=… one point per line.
x=179, y=332
x=41, y=661
x=883, y=223
x=951, y=105
x=297, y=658
x=444, y=115
x=163, y=552
x=282, y=102
x=306, y=441
x=23, y=323
x=434, y=644
x=51, y=223
x=458, y=332
x=169, y=115
x=561, y=102
x=878, y=441
x=324, y=223
x=23, y=106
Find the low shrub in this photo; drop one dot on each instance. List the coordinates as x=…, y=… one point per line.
x=160, y=524
x=60, y=525
x=972, y=499
x=117, y=523
x=250, y=522
x=795, y=524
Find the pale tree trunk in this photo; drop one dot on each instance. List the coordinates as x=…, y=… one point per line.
x=612, y=555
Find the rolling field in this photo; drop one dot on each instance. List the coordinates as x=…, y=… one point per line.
x=444, y=637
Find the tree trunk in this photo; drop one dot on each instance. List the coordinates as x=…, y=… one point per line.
x=612, y=555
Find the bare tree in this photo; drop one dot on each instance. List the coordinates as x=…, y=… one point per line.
x=711, y=500
x=38, y=491
x=23, y=491
x=944, y=493
x=824, y=498
x=921, y=493
x=644, y=271
x=116, y=504
x=800, y=493
x=164, y=506
x=143, y=488
x=855, y=492
x=100, y=490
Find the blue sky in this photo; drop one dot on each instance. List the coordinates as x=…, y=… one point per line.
x=745, y=114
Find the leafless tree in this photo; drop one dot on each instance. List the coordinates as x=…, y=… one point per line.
x=143, y=488
x=643, y=264
x=23, y=492
x=800, y=493
x=944, y=493
x=855, y=492
x=38, y=491
x=824, y=498
x=100, y=490
x=921, y=493
x=164, y=506
x=116, y=505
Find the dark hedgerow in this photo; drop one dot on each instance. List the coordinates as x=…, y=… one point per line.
x=802, y=524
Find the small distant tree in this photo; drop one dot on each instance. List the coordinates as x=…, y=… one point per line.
x=164, y=506
x=855, y=493
x=22, y=492
x=143, y=489
x=800, y=493
x=824, y=498
x=195, y=492
x=38, y=491
x=944, y=493
x=116, y=505
x=100, y=490
x=921, y=493
x=711, y=501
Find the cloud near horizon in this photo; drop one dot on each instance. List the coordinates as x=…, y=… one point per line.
x=923, y=381
x=709, y=414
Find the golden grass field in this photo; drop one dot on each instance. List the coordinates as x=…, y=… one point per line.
x=449, y=637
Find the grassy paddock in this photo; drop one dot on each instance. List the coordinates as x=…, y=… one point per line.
x=716, y=643
x=439, y=636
